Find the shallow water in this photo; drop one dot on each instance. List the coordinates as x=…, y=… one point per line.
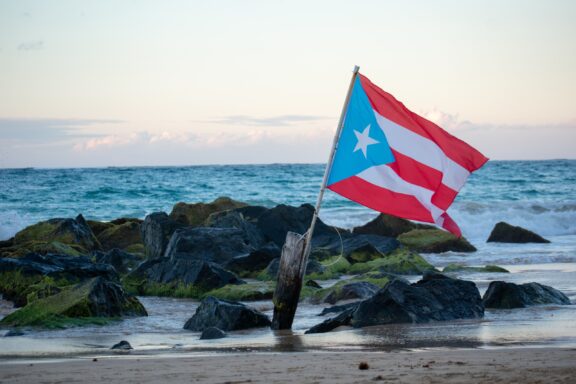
x=162, y=332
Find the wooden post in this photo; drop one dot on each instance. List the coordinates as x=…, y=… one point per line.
x=289, y=284
x=297, y=248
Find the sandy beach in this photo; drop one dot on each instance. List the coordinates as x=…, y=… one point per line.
x=510, y=365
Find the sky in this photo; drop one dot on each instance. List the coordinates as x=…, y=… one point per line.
x=122, y=83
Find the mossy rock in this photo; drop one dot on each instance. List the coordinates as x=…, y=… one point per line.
x=463, y=268
x=388, y=225
x=244, y=292
x=43, y=248
x=401, y=262
x=73, y=232
x=434, y=241
x=195, y=215
x=316, y=295
x=98, y=227
x=94, y=298
x=143, y=287
x=121, y=236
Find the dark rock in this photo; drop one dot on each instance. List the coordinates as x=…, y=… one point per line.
x=66, y=231
x=506, y=233
x=434, y=241
x=343, y=319
x=312, y=284
x=96, y=297
x=274, y=223
x=217, y=245
x=505, y=295
x=339, y=308
x=434, y=298
x=157, y=229
x=194, y=215
x=123, y=262
x=212, y=333
x=234, y=219
x=123, y=346
x=390, y=226
x=226, y=315
x=202, y=274
x=352, y=291
x=121, y=235
x=14, y=332
x=254, y=261
x=361, y=248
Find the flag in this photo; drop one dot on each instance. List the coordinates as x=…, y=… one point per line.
x=396, y=162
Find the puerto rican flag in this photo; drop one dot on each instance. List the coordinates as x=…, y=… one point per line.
x=396, y=162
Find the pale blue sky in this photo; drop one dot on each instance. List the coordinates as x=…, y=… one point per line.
x=98, y=83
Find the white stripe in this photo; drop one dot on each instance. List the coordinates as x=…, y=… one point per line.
x=424, y=151
x=384, y=177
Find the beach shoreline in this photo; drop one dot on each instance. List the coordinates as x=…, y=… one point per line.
x=505, y=365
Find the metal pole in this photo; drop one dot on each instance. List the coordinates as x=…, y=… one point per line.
x=308, y=243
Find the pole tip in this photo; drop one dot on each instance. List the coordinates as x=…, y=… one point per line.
x=356, y=69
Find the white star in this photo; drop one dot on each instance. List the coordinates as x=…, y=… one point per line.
x=364, y=140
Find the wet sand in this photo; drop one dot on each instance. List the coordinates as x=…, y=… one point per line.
x=507, y=365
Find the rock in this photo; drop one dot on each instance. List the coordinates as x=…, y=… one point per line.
x=157, y=229
x=14, y=332
x=400, y=262
x=312, y=284
x=338, y=308
x=234, y=219
x=343, y=319
x=252, y=291
x=506, y=233
x=212, y=333
x=226, y=315
x=217, y=245
x=121, y=236
x=254, y=261
x=503, y=295
x=390, y=226
x=194, y=215
x=43, y=248
x=453, y=267
x=352, y=291
x=66, y=231
x=94, y=298
x=434, y=241
x=122, y=346
x=434, y=298
x=274, y=223
x=123, y=262
x=33, y=276
x=203, y=275
x=361, y=248
x=312, y=267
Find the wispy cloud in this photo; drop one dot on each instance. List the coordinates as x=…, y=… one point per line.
x=31, y=45
x=135, y=138
x=38, y=130
x=271, y=121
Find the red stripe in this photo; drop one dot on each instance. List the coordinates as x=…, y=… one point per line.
x=415, y=172
x=450, y=225
x=443, y=197
x=457, y=150
x=381, y=199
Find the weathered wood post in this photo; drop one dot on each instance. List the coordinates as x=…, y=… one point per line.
x=297, y=247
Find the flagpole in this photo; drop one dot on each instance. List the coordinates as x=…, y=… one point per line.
x=308, y=243
x=297, y=247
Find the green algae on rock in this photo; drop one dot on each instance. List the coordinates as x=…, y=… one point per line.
x=261, y=290
x=77, y=304
x=434, y=241
x=194, y=215
x=401, y=262
x=453, y=267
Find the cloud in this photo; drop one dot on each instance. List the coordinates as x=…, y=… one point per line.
x=40, y=130
x=273, y=121
x=35, y=45
x=136, y=139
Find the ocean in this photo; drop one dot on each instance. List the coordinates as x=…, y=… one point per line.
x=537, y=195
